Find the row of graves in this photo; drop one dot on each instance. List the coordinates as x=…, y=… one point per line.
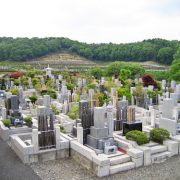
x=96, y=138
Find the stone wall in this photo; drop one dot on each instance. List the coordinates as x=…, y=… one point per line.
x=99, y=165
x=28, y=153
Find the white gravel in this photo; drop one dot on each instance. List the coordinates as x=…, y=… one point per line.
x=68, y=169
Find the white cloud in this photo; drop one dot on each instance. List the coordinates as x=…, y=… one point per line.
x=91, y=20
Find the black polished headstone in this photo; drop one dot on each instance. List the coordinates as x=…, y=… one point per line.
x=131, y=126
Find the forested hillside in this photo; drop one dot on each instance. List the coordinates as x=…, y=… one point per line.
x=22, y=49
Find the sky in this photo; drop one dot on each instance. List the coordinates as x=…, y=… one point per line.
x=91, y=21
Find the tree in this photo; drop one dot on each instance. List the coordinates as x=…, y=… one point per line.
x=177, y=54
x=175, y=67
x=25, y=82
x=35, y=81
x=96, y=72
x=175, y=70
x=148, y=80
x=114, y=68
x=165, y=55
x=16, y=75
x=125, y=74
x=31, y=74
x=70, y=86
x=124, y=92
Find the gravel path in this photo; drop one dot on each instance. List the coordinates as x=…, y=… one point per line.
x=68, y=169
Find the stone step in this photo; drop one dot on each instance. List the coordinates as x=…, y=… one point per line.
x=119, y=159
x=158, y=149
x=122, y=167
x=115, y=154
x=160, y=157
x=151, y=144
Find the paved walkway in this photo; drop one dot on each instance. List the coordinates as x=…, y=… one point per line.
x=11, y=168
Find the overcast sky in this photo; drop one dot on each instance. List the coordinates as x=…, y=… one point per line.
x=91, y=21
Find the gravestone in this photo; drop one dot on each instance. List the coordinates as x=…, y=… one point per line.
x=167, y=108
x=84, y=116
x=131, y=123
x=110, y=119
x=46, y=136
x=121, y=114
x=173, y=85
x=47, y=101
x=99, y=139
x=14, y=102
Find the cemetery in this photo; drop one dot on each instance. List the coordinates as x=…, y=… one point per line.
x=108, y=124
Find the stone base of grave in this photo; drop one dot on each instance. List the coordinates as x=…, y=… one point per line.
x=29, y=153
x=102, y=164
x=6, y=132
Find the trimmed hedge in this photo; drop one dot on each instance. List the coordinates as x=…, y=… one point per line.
x=159, y=134
x=138, y=136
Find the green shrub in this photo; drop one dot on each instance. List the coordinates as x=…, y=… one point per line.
x=13, y=91
x=74, y=112
x=159, y=134
x=6, y=122
x=55, y=110
x=138, y=136
x=91, y=86
x=70, y=86
x=28, y=119
x=33, y=99
x=62, y=129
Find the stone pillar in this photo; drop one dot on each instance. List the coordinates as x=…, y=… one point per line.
x=178, y=91
x=132, y=100
x=57, y=130
x=80, y=133
x=164, y=85
x=4, y=113
x=114, y=96
x=110, y=119
x=35, y=140
x=153, y=116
